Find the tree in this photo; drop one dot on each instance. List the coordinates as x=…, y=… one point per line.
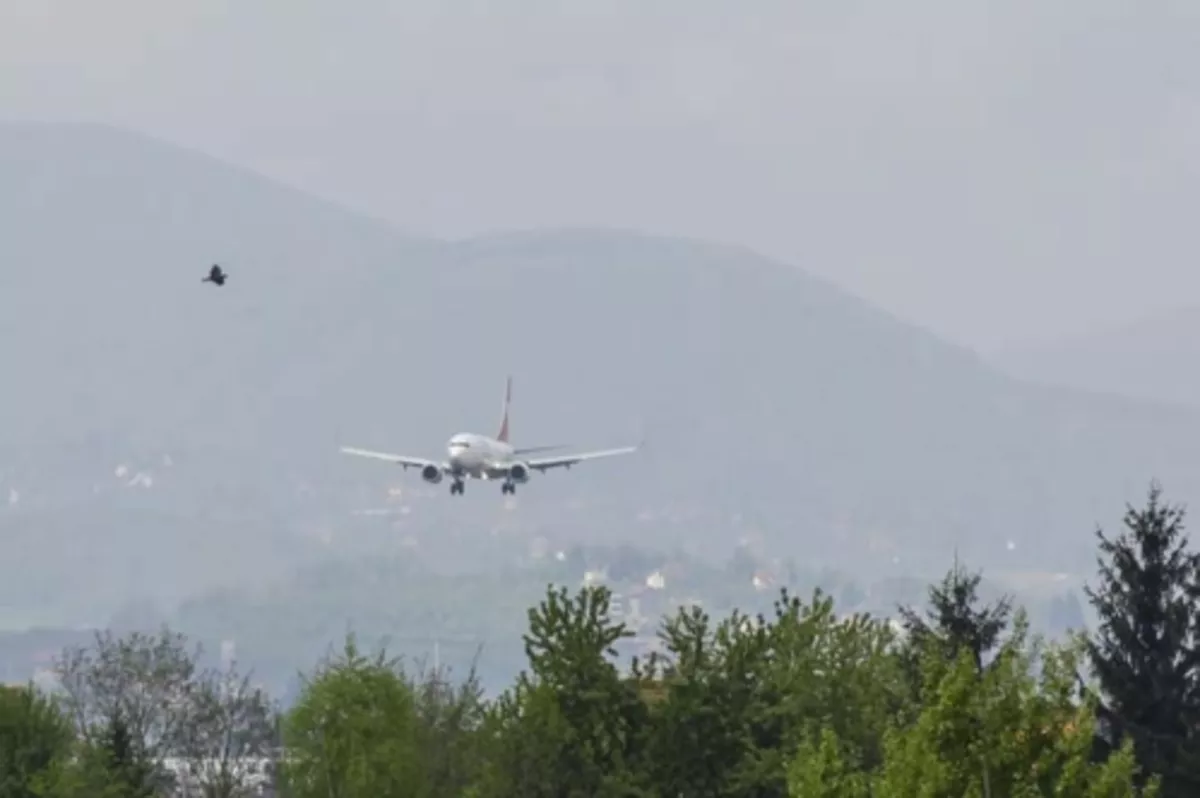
x=1013, y=730
x=108, y=765
x=572, y=725
x=1145, y=653
x=820, y=770
x=742, y=694
x=700, y=716
x=35, y=735
x=353, y=731
x=231, y=731
x=130, y=700
x=115, y=760
x=954, y=621
x=525, y=734
x=450, y=719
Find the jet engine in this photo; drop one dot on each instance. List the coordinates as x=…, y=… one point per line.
x=519, y=473
x=432, y=474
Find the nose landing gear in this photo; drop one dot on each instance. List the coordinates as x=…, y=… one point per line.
x=457, y=487
x=508, y=487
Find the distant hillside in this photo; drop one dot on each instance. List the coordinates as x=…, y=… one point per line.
x=776, y=407
x=1153, y=358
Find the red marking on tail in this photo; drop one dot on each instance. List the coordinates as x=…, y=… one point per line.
x=502, y=435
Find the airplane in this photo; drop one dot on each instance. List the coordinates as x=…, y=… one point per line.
x=480, y=457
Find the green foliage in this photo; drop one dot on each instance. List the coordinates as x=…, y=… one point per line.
x=955, y=621
x=794, y=701
x=572, y=713
x=1008, y=731
x=743, y=693
x=1146, y=652
x=820, y=770
x=120, y=759
x=353, y=731
x=450, y=719
x=137, y=701
x=363, y=725
x=35, y=736
x=110, y=764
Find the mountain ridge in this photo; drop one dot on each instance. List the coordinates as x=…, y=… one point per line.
x=783, y=411
x=15, y=134
x=1143, y=358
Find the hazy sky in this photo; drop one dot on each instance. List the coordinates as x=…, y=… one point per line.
x=998, y=171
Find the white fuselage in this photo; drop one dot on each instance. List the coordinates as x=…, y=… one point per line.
x=474, y=455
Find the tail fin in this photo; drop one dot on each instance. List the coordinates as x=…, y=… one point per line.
x=502, y=435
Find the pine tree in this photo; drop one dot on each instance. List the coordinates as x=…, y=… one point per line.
x=955, y=619
x=1145, y=652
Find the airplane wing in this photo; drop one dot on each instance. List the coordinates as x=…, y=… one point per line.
x=567, y=460
x=532, y=449
x=398, y=459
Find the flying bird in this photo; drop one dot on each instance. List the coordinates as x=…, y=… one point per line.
x=215, y=275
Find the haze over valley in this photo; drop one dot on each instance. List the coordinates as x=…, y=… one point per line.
x=878, y=289
x=171, y=441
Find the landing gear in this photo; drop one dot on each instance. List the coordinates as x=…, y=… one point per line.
x=457, y=487
x=508, y=487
